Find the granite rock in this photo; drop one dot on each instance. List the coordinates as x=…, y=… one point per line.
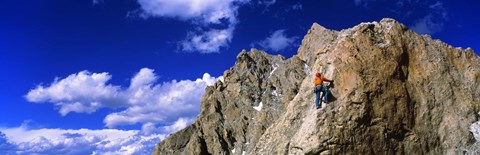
x=395, y=92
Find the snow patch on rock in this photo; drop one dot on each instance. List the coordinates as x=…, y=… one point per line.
x=274, y=93
x=307, y=69
x=475, y=129
x=259, y=107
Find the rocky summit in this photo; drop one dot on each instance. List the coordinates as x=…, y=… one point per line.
x=395, y=92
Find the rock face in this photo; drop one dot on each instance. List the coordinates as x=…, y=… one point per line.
x=395, y=92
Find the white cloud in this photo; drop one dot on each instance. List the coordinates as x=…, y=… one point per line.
x=277, y=41
x=174, y=103
x=21, y=140
x=144, y=100
x=161, y=103
x=6, y=147
x=82, y=141
x=267, y=2
x=81, y=92
x=145, y=77
x=433, y=22
x=209, y=11
x=203, y=13
x=208, y=42
x=178, y=125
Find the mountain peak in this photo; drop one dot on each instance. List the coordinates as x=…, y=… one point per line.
x=394, y=92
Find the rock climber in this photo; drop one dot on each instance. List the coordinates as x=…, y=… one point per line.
x=319, y=87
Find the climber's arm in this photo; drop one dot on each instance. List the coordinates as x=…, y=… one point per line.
x=328, y=80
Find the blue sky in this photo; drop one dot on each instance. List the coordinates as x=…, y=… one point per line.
x=78, y=70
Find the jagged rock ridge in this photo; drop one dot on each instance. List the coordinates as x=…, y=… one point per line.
x=395, y=92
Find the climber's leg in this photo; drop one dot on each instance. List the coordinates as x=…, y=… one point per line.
x=326, y=93
x=317, y=96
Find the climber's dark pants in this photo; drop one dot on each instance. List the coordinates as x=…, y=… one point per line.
x=319, y=89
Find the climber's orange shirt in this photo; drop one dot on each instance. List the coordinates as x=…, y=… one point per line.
x=319, y=80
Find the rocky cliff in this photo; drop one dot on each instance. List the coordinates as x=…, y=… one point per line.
x=395, y=92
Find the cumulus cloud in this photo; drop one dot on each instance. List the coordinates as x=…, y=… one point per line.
x=203, y=13
x=433, y=22
x=82, y=141
x=277, y=41
x=81, y=92
x=22, y=140
x=6, y=147
x=178, y=125
x=144, y=100
x=161, y=103
x=208, y=11
x=208, y=42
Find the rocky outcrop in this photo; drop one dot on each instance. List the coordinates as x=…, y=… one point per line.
x=395, y=92
x=236, y=112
